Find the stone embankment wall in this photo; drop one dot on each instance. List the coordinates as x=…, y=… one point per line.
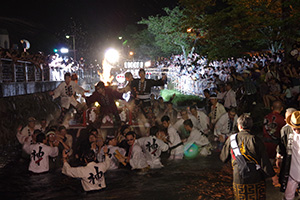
x=14, y=111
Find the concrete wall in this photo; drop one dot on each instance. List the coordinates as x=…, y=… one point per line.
x=14, y=89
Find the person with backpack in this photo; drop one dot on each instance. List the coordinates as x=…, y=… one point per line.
x=250, y=162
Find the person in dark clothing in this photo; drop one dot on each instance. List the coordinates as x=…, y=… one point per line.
x=87, y=140
x=106, y=97
x=121, y=137
x=142, y=88
x=250, y=162
x=273, y=122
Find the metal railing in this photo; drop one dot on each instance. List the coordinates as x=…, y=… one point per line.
x=22, y=71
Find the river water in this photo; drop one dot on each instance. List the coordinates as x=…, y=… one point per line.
x=200, y=178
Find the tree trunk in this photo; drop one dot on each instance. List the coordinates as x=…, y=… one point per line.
x=184, y=54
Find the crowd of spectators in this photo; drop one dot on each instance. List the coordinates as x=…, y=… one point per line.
x=15, y=55
x=244, y=83
x=57, y=64
x=261, y=76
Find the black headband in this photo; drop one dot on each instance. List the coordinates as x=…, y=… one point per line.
x=295, y=124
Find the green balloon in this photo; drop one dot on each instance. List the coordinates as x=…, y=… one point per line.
x=191, y=150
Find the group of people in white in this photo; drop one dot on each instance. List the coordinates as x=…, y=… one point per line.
x=49, y=147
x=53, y=148
x=170, y=131
x=198, y=74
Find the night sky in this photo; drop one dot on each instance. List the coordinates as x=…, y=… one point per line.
x=102, y=20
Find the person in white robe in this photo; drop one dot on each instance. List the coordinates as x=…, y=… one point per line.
x=197, y=138
x=66, y=91
x=229, y=97
x=179, y=124
x=39, y=154
x=174, y=140
x=217, y=110
x=152, y=148
x=202, y=119
x=225, y=126
x=112, y=150
x=91, y=175
x=135, y=156
x=27, y=131
x=293, y=150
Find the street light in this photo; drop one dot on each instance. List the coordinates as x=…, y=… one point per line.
x=64, y=50
x=131, y=55
x=189, y=30
x=74, y=49
x=61, y=50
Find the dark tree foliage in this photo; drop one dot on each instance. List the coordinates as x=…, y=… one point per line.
x=232, y=27
x=171, y=33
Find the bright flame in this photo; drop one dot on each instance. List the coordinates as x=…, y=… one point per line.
x=97, y=104
x=105, y=76
x=111, y=56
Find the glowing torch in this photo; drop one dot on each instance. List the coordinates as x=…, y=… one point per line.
x=111, y=57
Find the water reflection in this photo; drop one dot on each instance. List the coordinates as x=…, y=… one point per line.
x=175, y=181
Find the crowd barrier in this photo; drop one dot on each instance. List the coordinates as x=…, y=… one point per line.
x=23, y=71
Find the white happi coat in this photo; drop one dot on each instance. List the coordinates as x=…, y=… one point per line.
x=295, y=162
x=152, y=147
x=174, y=140
x=179, y=124
x=92, y=175
x=200, y=140
x=26, y=132
x=39, y=156
x=216, y=113
x=66, y=92
x=220, y=95
x=137, y=157
x=114, y=163
x=203, y=120
x=222, y=126
x=230, y=99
